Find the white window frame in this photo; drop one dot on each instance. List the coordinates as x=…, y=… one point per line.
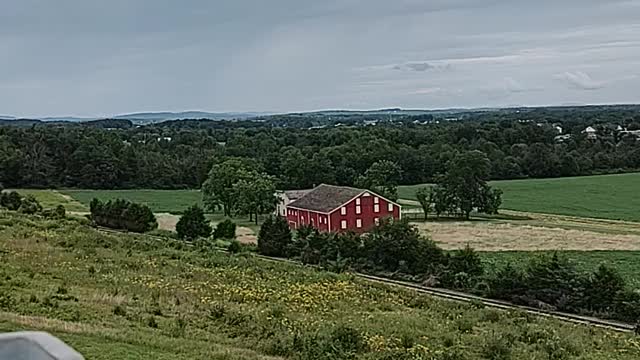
x=343, y=210
x=358, y=201
x=358, y=209
x=358, y=223
x=376, y=208
x=376, y=221
x=343, y=224
x=376, y=200
x=390, y=207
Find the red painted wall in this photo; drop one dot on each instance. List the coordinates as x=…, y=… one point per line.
x=367, y=214
x=297, y=218
x=333, y=221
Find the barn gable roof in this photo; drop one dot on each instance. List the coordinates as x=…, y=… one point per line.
x=326, y=198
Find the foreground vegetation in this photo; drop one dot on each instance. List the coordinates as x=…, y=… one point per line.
x=606, y=196
x=126, y=296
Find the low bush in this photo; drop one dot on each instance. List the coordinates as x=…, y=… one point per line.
x=123, y=214
x=225, y=230
x=193, y=224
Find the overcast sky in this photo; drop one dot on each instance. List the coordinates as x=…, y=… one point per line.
x=104, y=57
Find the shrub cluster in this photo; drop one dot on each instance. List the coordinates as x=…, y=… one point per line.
x=193, y=224
x=123, y=214
x=554, y=283
x=225, y=230
x=396, y=249
x=25, y=204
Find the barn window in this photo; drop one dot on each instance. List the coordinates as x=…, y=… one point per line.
x=376, y=200
x=390, y=207
x=377, y=221
x=343, y=210
x=358, y=209
x=358, y=201
x=358, y=223
x=376, y=208
x=343, y=224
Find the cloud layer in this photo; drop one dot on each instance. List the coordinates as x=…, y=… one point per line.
x=81, y=57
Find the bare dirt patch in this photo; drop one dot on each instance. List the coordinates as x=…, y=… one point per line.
x=167, y=221
x=246, y=235
x=497, y=236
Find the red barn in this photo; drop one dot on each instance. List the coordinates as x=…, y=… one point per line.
x=339, y=209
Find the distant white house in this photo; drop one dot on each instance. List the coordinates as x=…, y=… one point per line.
x=287, y=197
x=592, y=133
x=562, y=138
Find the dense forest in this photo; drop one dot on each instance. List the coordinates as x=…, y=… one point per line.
x=301, y=150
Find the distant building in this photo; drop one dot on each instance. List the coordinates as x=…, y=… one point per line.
x=591, y=133
x=562, y=138
x=339, y=209
x=286, y=197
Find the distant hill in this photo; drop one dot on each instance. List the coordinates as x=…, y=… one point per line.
x=150, y=117
x=154, y=117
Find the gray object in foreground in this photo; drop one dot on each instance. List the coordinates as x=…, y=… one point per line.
x=32, y=345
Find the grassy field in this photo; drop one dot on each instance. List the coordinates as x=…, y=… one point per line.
x=123, y=296
x=49, y=199
x=614, y=197
x=171, y=201
x=626, y=262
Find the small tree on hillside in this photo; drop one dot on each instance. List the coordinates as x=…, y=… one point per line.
x=193, y=224
x=29, y=205
x=11, y=200
x=225, y=230
x=274, y=238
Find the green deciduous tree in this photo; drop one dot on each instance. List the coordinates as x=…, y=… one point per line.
x=193, y=224
x=383, y=178
x=255, y=195
x=464, y=187
x=218, y=189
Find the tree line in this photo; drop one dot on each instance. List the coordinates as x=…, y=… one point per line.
x=180, y=154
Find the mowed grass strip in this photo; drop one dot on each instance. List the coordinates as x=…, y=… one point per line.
x=49, y=199
x=123, y=296
x=160, y=201
x=615, y=197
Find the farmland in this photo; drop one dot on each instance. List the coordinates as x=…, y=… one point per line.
x=613, y=197
x=124, y=296
x=160, y=201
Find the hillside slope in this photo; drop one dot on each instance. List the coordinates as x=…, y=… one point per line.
x=125, y=296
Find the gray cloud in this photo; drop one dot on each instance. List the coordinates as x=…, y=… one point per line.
x=580, y=80
x=418, y=66
x=83, y=57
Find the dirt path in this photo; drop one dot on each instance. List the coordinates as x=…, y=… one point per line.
x=499, y=236
x=168, y=222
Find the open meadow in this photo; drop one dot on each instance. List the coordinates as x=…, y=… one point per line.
x=615, y=197
x=160, y=201
x=120, y=296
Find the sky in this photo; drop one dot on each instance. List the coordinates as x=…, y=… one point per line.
x=100, y=58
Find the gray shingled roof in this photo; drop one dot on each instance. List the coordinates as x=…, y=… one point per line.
x=296, y=194
x=326, y=198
